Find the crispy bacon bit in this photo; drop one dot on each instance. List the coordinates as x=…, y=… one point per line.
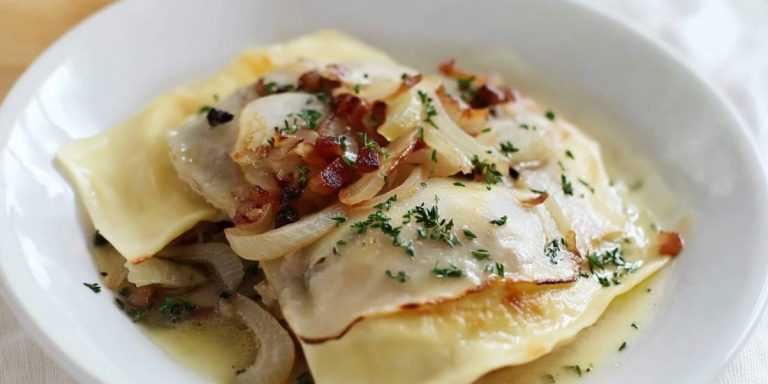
x=533, y=201
x=142, y=297
x=328, y=147
x=488, y=95
x=354, y=111
x=286, y=215
x=217, y=117
x=314, y=82
x=248, y=208
x=670, y=243
x=570, y=239
x=334, y=176
x=368, y=160
x=378, y=114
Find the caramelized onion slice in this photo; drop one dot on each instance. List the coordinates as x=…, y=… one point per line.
x=276, y=354
x=224, y=261
x=404, y=190
x=286, y=239
x=370, y=184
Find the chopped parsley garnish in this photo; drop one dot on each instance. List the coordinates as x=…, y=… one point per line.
x=575, y=369
x=459, y=184
x=311, y=117
x=481, y=254
x=567, y=186
x=339, y=219
x=434, y=155
x=551, y=250
x=432, y=225
x=499, y=269
x=469, y=234
x=204, y=109
x=303, y=171
x=610, y=258
x=507, y=148
x=486, y=130
x=525, y=126
x=537, y=191
x=584, y=183
x=428, y=108
x=633, y=325
x=217, y=117
x=487, y=170
x=305, y=378
x=420, y=133
x=550, y=115
x=176, y=310
x=93, y=286
x=378, y=219
x=400, y=276
x=357, y=88
x=569, y=154
x=500, y=221
x=450, y=271
x=623, y=346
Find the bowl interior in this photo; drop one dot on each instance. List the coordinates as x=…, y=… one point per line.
x=589, y=68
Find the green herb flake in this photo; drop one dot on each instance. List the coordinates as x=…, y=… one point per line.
x=432, y=225
x=481, y=254
x=584, y=183
x=551, y=250
x=465, y=84
x=459, y=184
x=469, y=234
x=303, y=171
x=339, y=219
x=486, y=130
x=633, y=325
x=428, y=108
x=434, y=156
x=204, y=109
x=569, y=154
x=567, y=186
x=550, y=115
x=93, y=287
x=537, y=191
x=176, y=310
x=450, y=271
x=400, y=276
x=486, y=170
x=499, y=269
x=357, y=89
x=623, y=346
x=500, y=221
x=507, y=148
x=575, y=369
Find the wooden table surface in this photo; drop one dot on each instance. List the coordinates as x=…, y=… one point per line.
x=28, y=27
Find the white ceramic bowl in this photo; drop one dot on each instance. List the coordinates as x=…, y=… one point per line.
x=596, y=71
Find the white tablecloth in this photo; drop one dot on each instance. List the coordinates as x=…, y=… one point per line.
x=726, y=40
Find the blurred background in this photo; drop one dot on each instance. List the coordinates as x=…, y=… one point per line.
x=27, y=27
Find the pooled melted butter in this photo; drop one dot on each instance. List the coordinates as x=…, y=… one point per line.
x=212, y=347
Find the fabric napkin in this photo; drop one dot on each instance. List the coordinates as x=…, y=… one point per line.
x=726, y=41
